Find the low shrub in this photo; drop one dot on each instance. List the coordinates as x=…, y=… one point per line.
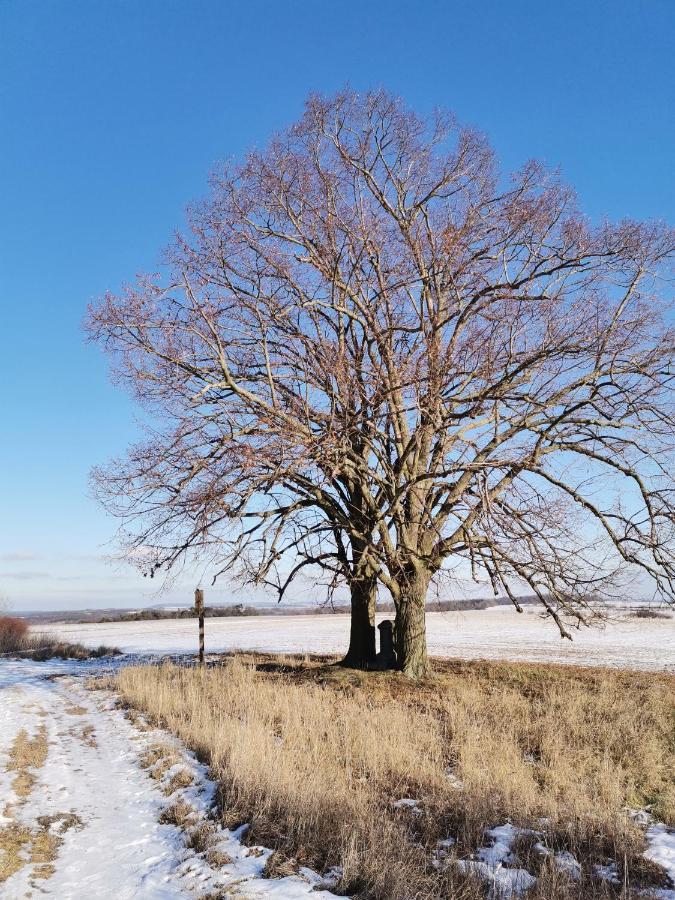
x=51, y=649
x=13, y=633
x=648, y=612
x=17, y=639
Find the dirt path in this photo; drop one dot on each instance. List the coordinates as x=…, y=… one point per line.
x=80, y=816
x=89, y=794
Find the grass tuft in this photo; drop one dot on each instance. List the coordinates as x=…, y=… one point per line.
x=180, y=814
x=26, y=755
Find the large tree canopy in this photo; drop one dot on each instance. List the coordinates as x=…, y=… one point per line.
x=375, y=353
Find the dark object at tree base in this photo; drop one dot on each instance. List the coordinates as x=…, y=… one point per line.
x=379, y=662
x=386, y=658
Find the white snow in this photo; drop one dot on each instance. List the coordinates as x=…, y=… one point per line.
x=492, y=863
x=660, y=848
x=607, y=873
x=661, y=841
x=120, y=851
x=568, y=863
x=565, y=861
x=446, y=844
x=407, y=803
x=497, y=633
x=499, y=866
x=453, y=780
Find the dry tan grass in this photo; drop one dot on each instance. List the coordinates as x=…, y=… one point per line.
x=200, y=837
x=27, y=753
x=13, y=839
x=180, y=779
x=87, y=734
x=218, y=858
x=59, y=823
x=158, y=759
x=153, y=754
x=21, y=846
x=315, y=757
x=43, y=852
x=180, y=814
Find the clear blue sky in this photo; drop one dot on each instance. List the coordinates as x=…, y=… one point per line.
x=112, y=113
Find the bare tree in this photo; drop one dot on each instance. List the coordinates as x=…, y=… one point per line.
x=370, y=342
x=232, y=499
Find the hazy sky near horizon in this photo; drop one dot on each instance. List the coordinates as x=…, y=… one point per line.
x=114, y=112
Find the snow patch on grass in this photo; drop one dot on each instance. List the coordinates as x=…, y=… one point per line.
x=661, y=841
x=408, y=803
x=498, y=865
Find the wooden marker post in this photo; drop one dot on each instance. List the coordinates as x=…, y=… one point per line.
x=199, y=609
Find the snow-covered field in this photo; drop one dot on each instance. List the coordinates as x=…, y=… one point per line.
x=498, y=633
x=103, y=809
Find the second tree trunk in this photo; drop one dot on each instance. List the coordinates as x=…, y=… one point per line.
x=411, y=638
x=361, y=651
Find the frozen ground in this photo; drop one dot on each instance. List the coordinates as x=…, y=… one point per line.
x=91, y=792
x=498, y=633
x=104, y=808
x=115, y=846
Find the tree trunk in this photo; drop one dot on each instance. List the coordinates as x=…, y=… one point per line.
x=411, y=636
x=361, y=653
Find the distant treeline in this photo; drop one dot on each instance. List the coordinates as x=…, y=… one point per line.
x=239, y=609
x=95, y=616
x=213, y=612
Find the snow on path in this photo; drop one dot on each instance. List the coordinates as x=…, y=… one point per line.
x=92, y=770
x=497, y=633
